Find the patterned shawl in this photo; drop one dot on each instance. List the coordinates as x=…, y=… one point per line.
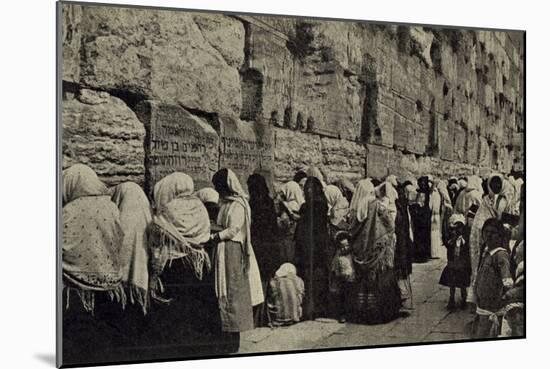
x=92, y=236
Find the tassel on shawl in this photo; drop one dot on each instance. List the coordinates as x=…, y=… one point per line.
x=87, y=297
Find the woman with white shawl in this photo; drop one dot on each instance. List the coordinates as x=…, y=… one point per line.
x=291, y=198
x=92, y=236
x=338, y=206
x=237, y=278
x=93, y=292
x=135, y=217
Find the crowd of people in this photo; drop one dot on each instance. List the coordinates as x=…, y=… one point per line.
x=220, y=261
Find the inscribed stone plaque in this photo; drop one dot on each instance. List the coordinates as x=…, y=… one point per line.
x=381, y=161
x=246, y=148
x=177, y=141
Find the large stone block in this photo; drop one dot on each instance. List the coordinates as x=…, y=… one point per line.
x=71, y=15
x=342, y=158
x=177, y=141
x=162, y=55
x=101, y=131
x=246, y=148
x=293, y=151
x=225, y=34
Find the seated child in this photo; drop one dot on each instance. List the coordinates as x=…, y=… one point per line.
x=286, y=292
x=342, y=275
x=458, y=270
x=493, y=278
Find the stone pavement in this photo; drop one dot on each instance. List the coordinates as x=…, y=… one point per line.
x=428, y=322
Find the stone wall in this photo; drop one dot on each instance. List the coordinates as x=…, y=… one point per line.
x=274, y=94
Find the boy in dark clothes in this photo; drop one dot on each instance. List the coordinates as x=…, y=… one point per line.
x=493, y=277
x=458, y=270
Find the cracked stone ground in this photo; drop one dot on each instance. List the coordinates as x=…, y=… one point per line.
x=430, y=321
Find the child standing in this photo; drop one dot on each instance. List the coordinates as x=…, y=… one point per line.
x=458, y=270
x=493, y=277
x=342, y=275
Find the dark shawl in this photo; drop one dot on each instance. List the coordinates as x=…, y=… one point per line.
x=263, y=229
x=403, y=245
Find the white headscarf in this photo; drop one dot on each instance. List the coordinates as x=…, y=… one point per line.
x=135, y=217
x=285, y=270
x=239, y=196
x=172, y=186
x=338, y=206
x=208, y=194
x=80, y=180
x=364, y=193
x=292, y=196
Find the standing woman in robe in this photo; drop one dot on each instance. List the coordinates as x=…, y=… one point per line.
x=313, y=251
x=373, y=247
x=446, y=209
x=178, y=236
x=135, y=217
x=238, y=284
x=437, y=250
x=92, y=281
x=422, y=222
x=403, y=247
x=264, y=234
x=291, y=199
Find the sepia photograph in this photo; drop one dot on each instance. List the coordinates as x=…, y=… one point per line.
x=233, y=184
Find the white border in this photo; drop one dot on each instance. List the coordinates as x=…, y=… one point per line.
x=28, y=180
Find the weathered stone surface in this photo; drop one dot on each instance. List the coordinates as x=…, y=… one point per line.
x=225, y=34
x=99, y=130
x=425, y=100
x=70, y=38
x=177, y=141
x=342, y=158
x=293, y=151
x=162, y=55
x=246, y=148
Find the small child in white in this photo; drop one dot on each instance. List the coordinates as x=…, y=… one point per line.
x=342, y=275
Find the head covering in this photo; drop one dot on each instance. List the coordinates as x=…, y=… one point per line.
x=338, y=205
x=135, y=217
x=208, y=194
x=172, y=186
x=313, y=171
x=314, y=190
x=364, y=193
x=456, y=218
x=92, y=236
x=392, y=179
x=80, y=180
x=263, y=217
x=462, y=183
x=258, y=189
x=238, y=196
x=181, y=226
x=442, y=188
x=346, y=186
x=292, y=196
x=285, y=270
x=299, y=176
x=474, y=183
